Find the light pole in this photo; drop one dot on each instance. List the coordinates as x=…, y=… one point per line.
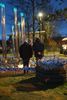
x=3, y=30
x=13, y=39
x=19, y=31
x=16, y=33
x=23, y=36
x=40, y=17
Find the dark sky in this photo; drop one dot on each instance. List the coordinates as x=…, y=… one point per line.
x=61, y=26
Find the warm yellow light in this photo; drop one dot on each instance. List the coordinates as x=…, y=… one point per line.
x=64, y=39
x=64, y=47
x=40, y=14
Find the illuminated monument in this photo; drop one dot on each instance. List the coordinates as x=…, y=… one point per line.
x=4, y=48
x=18, y=32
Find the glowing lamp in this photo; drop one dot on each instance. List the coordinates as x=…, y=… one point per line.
x=2, y=5
x=15, y=9
x=22, y=14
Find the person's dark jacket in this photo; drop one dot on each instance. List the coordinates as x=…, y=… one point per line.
x=38, y=49
x=26, y=51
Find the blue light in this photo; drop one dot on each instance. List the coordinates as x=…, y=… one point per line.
x=22, y=14
x=15, y=9
x=2, y=5
x=12, y=26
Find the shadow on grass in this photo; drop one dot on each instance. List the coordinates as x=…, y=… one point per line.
x=33, y=84
x=2, y=97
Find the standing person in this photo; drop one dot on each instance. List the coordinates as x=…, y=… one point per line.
x=38, y=48
x=26, y=53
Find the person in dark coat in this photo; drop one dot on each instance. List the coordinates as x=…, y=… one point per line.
x=26, y=53
x=38, y=48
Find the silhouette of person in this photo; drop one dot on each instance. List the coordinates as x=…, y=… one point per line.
x=38, y=49
x=26, y=52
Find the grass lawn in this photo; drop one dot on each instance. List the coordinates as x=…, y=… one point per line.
x=27, y=87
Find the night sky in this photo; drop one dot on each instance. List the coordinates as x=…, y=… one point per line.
x=61, y=26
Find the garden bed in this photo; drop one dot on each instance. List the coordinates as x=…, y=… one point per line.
x=51, y=71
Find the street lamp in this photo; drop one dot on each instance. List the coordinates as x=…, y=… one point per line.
x=40, y=17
